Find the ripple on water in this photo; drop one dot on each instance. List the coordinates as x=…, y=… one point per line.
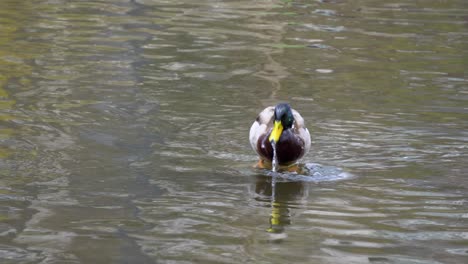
x=387, y=100
x=313, y=172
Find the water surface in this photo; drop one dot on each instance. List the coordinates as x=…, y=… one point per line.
x=124, y=131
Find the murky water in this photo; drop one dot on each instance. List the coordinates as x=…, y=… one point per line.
x=124, y=131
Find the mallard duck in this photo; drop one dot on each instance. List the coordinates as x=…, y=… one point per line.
x=283, y=126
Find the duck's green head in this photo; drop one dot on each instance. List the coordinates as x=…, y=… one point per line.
x=284, y=119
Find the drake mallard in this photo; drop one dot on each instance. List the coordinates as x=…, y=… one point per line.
x=283, y=126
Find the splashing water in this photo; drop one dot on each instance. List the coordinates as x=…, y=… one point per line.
x=311, y=172
x=274, y=167
x=274, y=161
x=308, y=172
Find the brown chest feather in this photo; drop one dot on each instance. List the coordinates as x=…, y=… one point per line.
x=289, y=148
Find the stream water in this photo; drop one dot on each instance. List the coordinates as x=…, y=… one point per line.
x=124, y=131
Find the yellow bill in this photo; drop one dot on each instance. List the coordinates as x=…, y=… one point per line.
x=276, y=132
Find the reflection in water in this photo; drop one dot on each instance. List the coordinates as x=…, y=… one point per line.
x=282, y=197
x=285, y=189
